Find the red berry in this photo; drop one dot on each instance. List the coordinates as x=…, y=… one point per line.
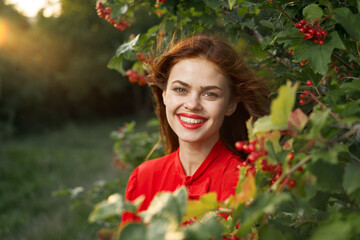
x=251, y=170
x=291, y=52
x=291, y=156
x=302, y=102
x=318, y=33
x=270, y=168
x=302, y=96
x=307, y=36
x=302, y=30
x=315, y=40
x=303, y=22
x=321, y=42
x=252, y=157
x=300, y=169
x=298, y=25
x=306, y=92
x=107, y=10
x=250, y=148
x=311, y=31
x=239, y=145
x=244, y=164
x=309, y=83
x=324, y=33
x=292, y=183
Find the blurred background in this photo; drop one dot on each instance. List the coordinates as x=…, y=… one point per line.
x=58, y=104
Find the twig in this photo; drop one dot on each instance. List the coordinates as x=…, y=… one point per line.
x=342, y=61
x=323, y=106
x=291, y=171
x=153, y=149
x=282, y=11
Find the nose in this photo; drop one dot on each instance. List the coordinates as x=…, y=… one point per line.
x=193, y=103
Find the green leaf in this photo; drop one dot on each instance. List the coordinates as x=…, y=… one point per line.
x=231, y=3
x=318, y=120
x=197, y=208
x=328, y=176
x=263, y=124
x=116, y=63
x=329, y=155
x=133, y=231
x=319, y=56
x=267, y=24
x=332, y=231
x=166, y=203
x=209, y=228
x=270, y=232
x=282, y=106
x=352, y=89
x=265, y=203
x=159, y=227
x=122, y=10
x=349, y=21
x=245, y=191
x=129, y=46
x=113, y=206
x=313, y=11
x=320, y=200
x=351, y=180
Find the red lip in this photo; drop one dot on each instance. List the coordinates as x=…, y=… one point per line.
x=188, y=125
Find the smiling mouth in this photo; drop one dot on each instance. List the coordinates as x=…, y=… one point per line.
x=191, y=120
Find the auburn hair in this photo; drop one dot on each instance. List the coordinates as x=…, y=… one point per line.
x=249, y=92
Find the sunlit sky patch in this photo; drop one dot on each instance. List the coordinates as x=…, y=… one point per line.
x=31, y=7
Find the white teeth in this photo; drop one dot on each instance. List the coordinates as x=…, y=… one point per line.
x=191, y=120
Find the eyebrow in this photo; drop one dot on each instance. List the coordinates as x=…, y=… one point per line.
x=203, y=88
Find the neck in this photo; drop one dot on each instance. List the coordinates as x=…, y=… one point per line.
x=192, y=155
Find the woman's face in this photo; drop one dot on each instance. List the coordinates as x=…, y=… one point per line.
x=197, y=98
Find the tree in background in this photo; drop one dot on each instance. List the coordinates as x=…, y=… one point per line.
x=54, y=69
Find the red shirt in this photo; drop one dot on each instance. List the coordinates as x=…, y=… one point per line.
x=218, y=173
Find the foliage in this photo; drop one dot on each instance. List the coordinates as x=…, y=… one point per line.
x=301, y=176
x=53, y=69
x=132, y=148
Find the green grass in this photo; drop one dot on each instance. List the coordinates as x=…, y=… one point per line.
x=32, y=167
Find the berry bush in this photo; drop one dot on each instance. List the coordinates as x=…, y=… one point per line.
x=301, y=176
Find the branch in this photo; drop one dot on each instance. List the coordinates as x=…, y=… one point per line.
x=282, y=11
x=342, y=61
x=323, y=106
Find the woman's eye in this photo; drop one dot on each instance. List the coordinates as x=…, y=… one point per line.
x=210, y=94
x=179, y=90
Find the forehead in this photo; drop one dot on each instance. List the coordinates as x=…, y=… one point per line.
x=197, y=71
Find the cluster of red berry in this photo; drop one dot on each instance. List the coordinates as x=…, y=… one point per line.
x=255, y=150
x=134, y=77
x=105, y=12
x=305, y=94
x=312, y=31
x=341, y=71
x=141, y=57
x=276, y=171
x=161, y=1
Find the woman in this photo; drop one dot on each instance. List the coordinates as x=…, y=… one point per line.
x=204, y=95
